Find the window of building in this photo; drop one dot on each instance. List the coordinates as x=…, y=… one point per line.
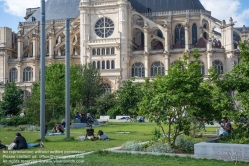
x=94, y=63
x=108, y=64
x=113, y=64
x=98, y=51
x=107, y=88
x=103, y=51
x=26, y=94
x=218, y=66
x=157, y=68
x=108, y=51
x=180, y=35
x=27, y=74
x=98, y=65
x=205, y=35
x=176, y=62
x=138, y=70
x=112, y=51
x=94, y=51
x=103, y=64
x=202, y=69
x=13, y=75
x=194, y=34
x=104, y=27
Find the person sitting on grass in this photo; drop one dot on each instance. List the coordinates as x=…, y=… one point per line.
x=59, y=129
x=2, y=146
x=90, y=119
x=20, y=142
x=102, y=135
x=54, y=128
x=90, y=133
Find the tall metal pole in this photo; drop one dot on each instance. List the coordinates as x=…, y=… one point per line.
x=67, y=97
x=42, y=67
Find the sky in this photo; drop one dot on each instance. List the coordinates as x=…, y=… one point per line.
x=13, y=11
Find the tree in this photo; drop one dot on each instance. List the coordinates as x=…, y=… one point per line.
x=12, y=99
x=128, y=97
x=55, y=92
x=176, y=98
x=92, y=86
x=104, y=103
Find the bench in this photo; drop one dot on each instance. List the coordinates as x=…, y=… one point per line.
x=104, y=118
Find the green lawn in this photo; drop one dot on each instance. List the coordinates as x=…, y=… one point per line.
x=124, y=159
x=138, y=131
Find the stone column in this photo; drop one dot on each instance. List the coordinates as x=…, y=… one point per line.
x=146, y=65
x=35, y=39
x=166, y=63
x=167, y=43
x=146, y=40
x=186, y=38
x=51, y=45
x=19, y=72
x=88, y=55
x=117, y=60
x=20, y=47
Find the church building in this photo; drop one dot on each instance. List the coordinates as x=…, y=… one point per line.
x=122, y=38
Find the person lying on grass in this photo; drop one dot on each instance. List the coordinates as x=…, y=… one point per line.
x=102, y=135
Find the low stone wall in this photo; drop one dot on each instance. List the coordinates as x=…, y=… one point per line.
x=82, y=125
x=221, y=151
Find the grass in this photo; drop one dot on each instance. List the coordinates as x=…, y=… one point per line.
x=104, y=158
x=138, y=131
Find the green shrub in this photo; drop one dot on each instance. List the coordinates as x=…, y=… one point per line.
x=132, y=146
x=160, y=147
x=14, y=121
x=185, y=145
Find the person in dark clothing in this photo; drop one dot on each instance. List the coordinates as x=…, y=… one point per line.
x=83, y=118
x=90, y=133
x=20, y=142
x=2, y=147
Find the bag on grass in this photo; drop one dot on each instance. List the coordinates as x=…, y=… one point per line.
x=11, y=146
x=81, y=138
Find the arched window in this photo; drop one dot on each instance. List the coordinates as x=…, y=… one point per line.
x=113, y=64
x=94, y=63
x=159, y=34
x=98, y=51
x=202, y=69
x=13, y=75
x=179, y=35
x=107, y=88
x=205, y=26
x=108, y=64
x=27, y=74
x=157, y=68
x=108, y=51
x=103, y=51
x=205, y=35
x=218, y=66
x=103, y=64
x=94, y=51
x=194, y=34
x=137, y=70
x=26, y=94
x=112, y=51
x=98, y=65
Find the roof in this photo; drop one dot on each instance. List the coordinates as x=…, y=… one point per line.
x=62, y=9
x=58, y=9
x=142, y=6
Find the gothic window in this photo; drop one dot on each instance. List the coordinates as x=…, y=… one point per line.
x=113, y=64
x=138, y=70
x=179, y=35
x=98, y=51
x=103, y=64
x=108, y=64
x=104, y=27
x=103, y=51
x=205, y=26
x=159, y=34
x=205, y=35
x=157, y=68
x=107, y=51
x=218, y=66
x=13, y=75
x=94, y=51
x=202, y=69
x=26, y=94
x=27, y=74
x=98, y=65
x=107, y=88
x=94, y=63
x=112, y=51
x=194, y=34
x=142, y=39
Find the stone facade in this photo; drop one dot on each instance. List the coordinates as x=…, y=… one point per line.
x=119, y=41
